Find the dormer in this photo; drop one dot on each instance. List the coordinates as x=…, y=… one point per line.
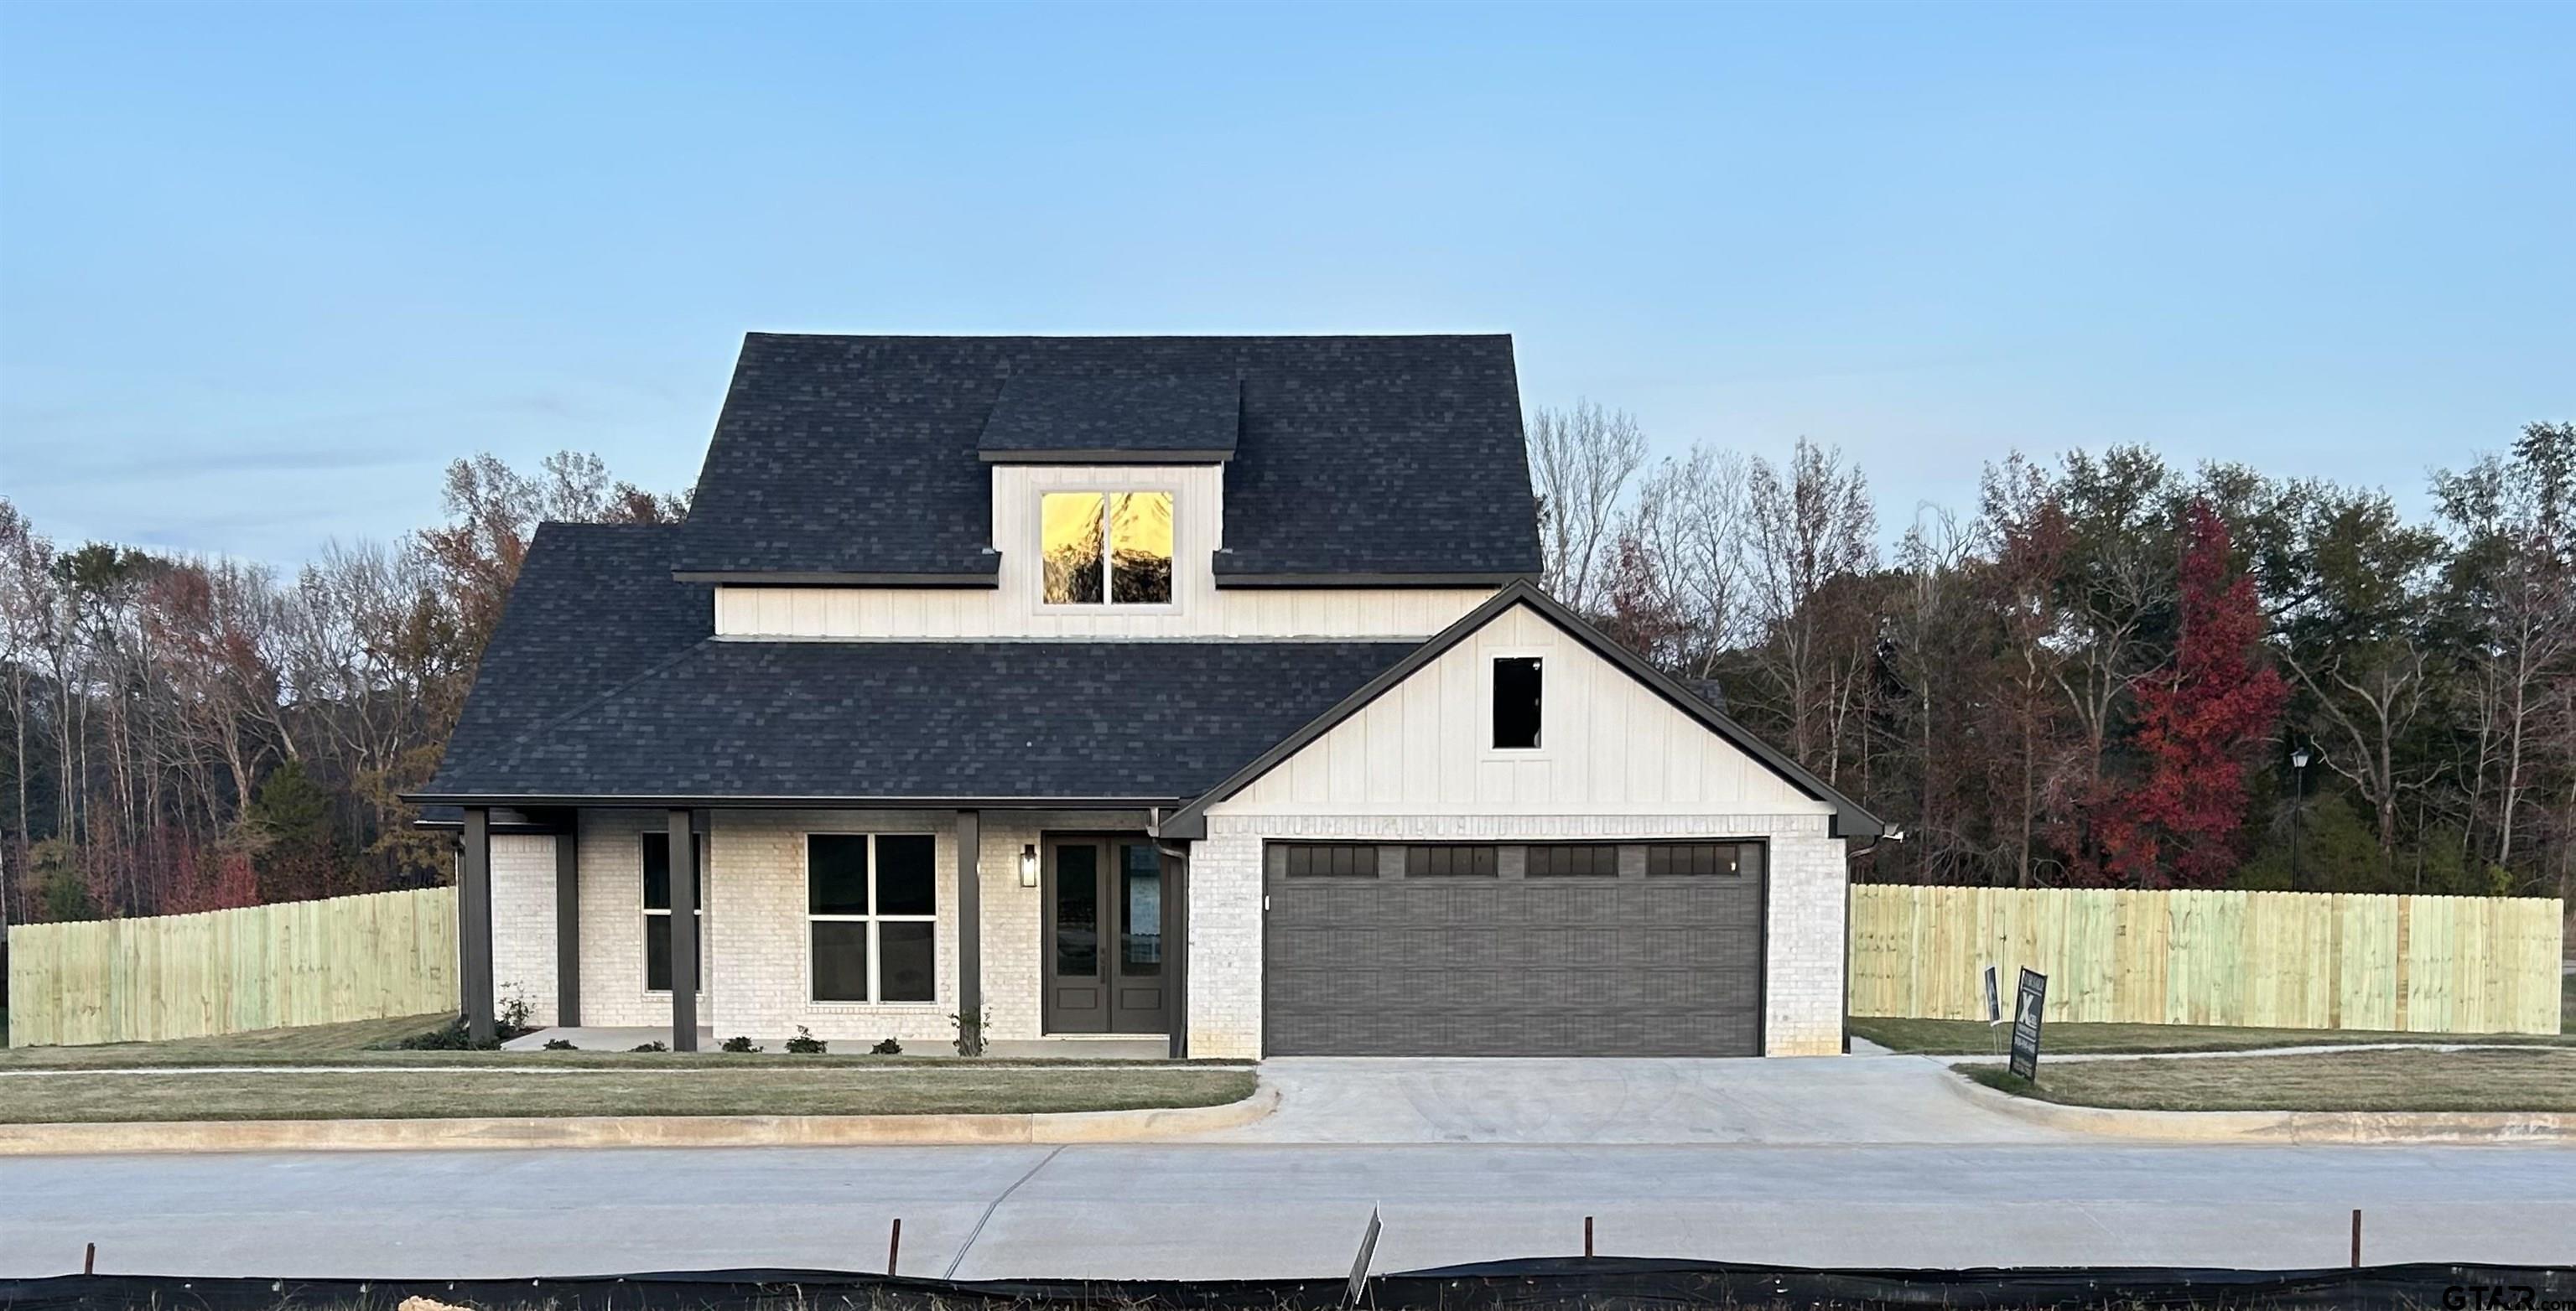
x=1111, y=488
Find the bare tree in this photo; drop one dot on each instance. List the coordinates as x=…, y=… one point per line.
x=1689, y=518
x=1581, y=460
x=1812, y=526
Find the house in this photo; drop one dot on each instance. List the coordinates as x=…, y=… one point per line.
x=1194, y=689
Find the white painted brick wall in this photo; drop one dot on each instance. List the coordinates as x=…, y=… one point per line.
x=523, y=922
x=757, y=967
x=1804, y=983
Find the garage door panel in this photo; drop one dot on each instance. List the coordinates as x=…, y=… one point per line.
x=1504, y=966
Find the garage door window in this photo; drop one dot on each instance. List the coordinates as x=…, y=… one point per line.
x=1456, y=860
x=1555, y=861
x=1317, y=860
x=1703, y=859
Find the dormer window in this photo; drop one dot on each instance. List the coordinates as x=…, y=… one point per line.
x=1107, y=548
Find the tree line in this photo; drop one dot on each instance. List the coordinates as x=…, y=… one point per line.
x=2101, y=675
x=2109, y=670
x=186, y=733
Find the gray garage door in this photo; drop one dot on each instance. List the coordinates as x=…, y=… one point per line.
x=1369, y=954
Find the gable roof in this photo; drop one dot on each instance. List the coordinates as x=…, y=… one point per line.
x=1849, y=819
x=859, y=458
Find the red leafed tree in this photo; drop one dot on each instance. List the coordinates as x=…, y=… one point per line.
x=2199, y=718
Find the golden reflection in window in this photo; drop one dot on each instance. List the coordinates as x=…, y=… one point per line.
x=1112, y=547
x=1070, y=547
x=1140, y=548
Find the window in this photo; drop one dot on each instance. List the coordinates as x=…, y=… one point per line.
x=1704, y=859
x=1568, y=860
x=1455, y=860
x=1516, y=703
x=1320, y=860
x=657, y=912
x=872, y=916
x=1106, y=547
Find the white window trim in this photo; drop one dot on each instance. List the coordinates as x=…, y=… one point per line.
x=1547, y=716
x=876, y=956
x=1105, y=606
x=644, y=943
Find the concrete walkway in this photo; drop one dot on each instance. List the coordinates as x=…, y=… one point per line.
x=1185, y=1211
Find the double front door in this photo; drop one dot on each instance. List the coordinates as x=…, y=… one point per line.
x=1106, y=967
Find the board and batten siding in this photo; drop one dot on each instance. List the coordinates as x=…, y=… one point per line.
x=1608, y=744
x=1616, y=763
x=1199, y=609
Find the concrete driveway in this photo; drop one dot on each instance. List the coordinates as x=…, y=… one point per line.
x=1822, y=1099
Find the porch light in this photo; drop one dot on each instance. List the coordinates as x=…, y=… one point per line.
x=1029, y=865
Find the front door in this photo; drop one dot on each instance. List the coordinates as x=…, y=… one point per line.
x=1104, y=937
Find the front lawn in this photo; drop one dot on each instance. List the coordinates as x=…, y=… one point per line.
x=708, y=1089
x=2542, y=1079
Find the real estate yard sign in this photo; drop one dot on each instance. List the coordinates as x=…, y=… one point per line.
x=2025, y=1033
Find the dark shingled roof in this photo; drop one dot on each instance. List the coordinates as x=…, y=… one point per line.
x=1137, y=416
x=603, y=681
x=1355, y=455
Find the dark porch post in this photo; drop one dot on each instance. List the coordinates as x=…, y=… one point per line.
x=684, y=934
x=568, y=923
x=474, y=924
x=970, y=915
x=1175, y=929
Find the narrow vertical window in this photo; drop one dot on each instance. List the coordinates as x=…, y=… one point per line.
x=1517, y=695
x=657, y=913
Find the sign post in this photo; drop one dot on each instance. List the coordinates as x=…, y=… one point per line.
x=2025, y=1032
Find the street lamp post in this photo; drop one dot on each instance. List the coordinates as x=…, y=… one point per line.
x=2298, y=809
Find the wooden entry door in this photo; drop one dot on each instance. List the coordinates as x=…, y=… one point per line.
x=1105, y=966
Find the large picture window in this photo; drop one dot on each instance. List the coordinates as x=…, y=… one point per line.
x=872, y=916
x=657, y=912
x=1111, y=548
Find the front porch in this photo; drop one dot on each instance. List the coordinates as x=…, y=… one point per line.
x=1062, y=928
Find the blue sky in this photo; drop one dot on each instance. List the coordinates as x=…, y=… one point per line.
x=265, y=268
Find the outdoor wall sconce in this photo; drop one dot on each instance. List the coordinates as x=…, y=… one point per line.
x=1029, y=865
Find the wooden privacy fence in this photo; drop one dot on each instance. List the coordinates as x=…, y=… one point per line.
x=2302, y=960
x=226, y=971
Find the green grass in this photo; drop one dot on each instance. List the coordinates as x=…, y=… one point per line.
x=2542, y=1079
x=368, y=1043
x=889, y=1089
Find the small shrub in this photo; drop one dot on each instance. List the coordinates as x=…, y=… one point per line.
x=804, y=1043
x=970, y=1031
x=650, y=1047
x=559, y=1045
x=515, y=1012
x=740, y=1044
x=887, y=1048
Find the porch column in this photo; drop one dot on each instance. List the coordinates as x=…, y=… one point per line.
x=568, y=923
x=970, y=914
x=684, y=934
x=1175, y=929
x=474, y=924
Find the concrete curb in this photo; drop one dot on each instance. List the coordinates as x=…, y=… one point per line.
x=2345, y=1127
x=630, y=1131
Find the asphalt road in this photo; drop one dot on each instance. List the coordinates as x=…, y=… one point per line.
x=1202, y=1210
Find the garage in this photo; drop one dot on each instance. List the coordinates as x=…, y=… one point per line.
x=1499, y=949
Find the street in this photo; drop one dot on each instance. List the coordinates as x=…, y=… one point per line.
x=1201, y=1210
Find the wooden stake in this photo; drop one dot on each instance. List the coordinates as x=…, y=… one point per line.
x=89, y=1260
x=1587, y=1235
x=2356, y=1238
x=894, y=1245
